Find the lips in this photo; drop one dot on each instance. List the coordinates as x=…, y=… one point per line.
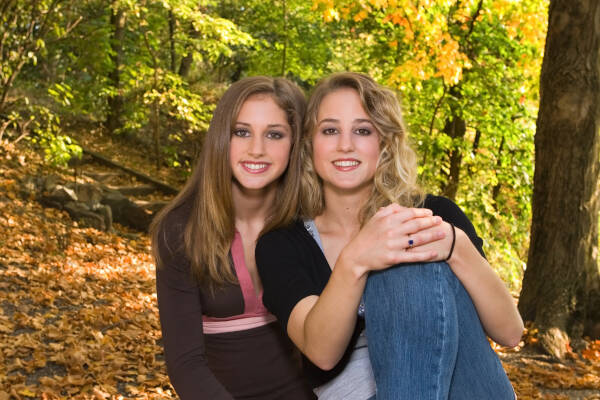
x=347, y=164
x=255, y=167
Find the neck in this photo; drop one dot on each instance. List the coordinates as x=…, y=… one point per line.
x=342, y=209
x=252, y=207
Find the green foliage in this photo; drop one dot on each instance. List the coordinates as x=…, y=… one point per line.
x=290, y=39
x=474, y=60
x=58, y=148
x=25, y=27
x=62, y=94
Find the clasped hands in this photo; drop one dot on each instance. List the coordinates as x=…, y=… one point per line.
x=397, y=234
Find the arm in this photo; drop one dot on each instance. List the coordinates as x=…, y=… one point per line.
x=181, y=323
x=494, y=304
x=322, y=324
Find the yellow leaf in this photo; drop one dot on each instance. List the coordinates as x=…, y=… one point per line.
x=330, y=14
x=27, y=392
x=360, y=16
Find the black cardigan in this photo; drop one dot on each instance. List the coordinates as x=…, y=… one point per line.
x=292, y=266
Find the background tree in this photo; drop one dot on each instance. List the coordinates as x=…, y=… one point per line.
x=561, y=286
x=115, y=100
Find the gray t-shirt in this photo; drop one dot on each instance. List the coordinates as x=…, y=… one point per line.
x=356, y=381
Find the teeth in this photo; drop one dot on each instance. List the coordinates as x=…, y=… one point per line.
x=345, y=163
x=255, y=166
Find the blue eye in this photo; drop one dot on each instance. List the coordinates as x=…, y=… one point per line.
x=241, y=132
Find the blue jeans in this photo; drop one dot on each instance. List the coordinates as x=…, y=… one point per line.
x=426, y=340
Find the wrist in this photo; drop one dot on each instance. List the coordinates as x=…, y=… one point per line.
x=452, y=245
x=464, y=250
x=347, y=265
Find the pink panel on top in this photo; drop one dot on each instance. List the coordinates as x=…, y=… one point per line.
x=234, y=325
x=255, y=314
x=252, y=303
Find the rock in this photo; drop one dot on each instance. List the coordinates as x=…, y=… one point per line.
x=63, y=194
x=135, y=190
x=89, y=194
x=126, y=212
x=152, y=206
x=49, y=183
x=106, y=212
x=101, y=177
x=29, y=187
x=58, y=197
x=80, y=212
x=94, y=205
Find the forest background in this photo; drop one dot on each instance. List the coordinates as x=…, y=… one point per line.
x=147, y=74
x=467, y=72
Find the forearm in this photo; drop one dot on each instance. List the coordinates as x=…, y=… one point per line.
x=330, y=323
x=495, y=306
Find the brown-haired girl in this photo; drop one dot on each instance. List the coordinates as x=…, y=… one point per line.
x=428, y=294
x=220, y=342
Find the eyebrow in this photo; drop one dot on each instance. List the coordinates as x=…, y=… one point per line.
x=268, y=126
x=334, y=120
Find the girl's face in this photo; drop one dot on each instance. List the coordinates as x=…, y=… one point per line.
x=345, y=142
x=260, y=144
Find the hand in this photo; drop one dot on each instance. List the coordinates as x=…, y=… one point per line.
x=385, y=238
x=440, y=246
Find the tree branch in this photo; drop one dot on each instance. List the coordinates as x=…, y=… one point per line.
x=474, y=18
x=437, y=106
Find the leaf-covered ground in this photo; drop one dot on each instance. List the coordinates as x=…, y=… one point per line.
x=78, y=315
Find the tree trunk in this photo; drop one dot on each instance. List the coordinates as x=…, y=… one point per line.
x=115, y=102
x=562, y=279
x=172, y=41
x=456, y=128
x=186, y=61
x=498, y=186
x=285, y=39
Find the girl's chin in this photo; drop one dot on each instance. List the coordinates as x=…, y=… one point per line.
x=350, y=187
x=254, y=185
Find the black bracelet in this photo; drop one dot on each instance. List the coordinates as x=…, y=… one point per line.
x=453, y=242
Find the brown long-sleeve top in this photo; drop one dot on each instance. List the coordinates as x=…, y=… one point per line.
x=221, y=346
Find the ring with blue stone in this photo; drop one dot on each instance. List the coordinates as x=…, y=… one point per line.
x=411, y=243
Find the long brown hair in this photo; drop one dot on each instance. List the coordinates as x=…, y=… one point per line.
x=210, y=227
x=395, y=178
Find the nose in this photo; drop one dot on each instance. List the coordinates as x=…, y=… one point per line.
x=256, y=146
x=345, y=141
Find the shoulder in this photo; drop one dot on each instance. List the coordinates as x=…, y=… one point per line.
x=285, y=237
x=452, y=213
x=444, y=207
x=290, y=253
x=287, y=260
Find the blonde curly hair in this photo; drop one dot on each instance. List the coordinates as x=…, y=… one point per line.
x=395, y=178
